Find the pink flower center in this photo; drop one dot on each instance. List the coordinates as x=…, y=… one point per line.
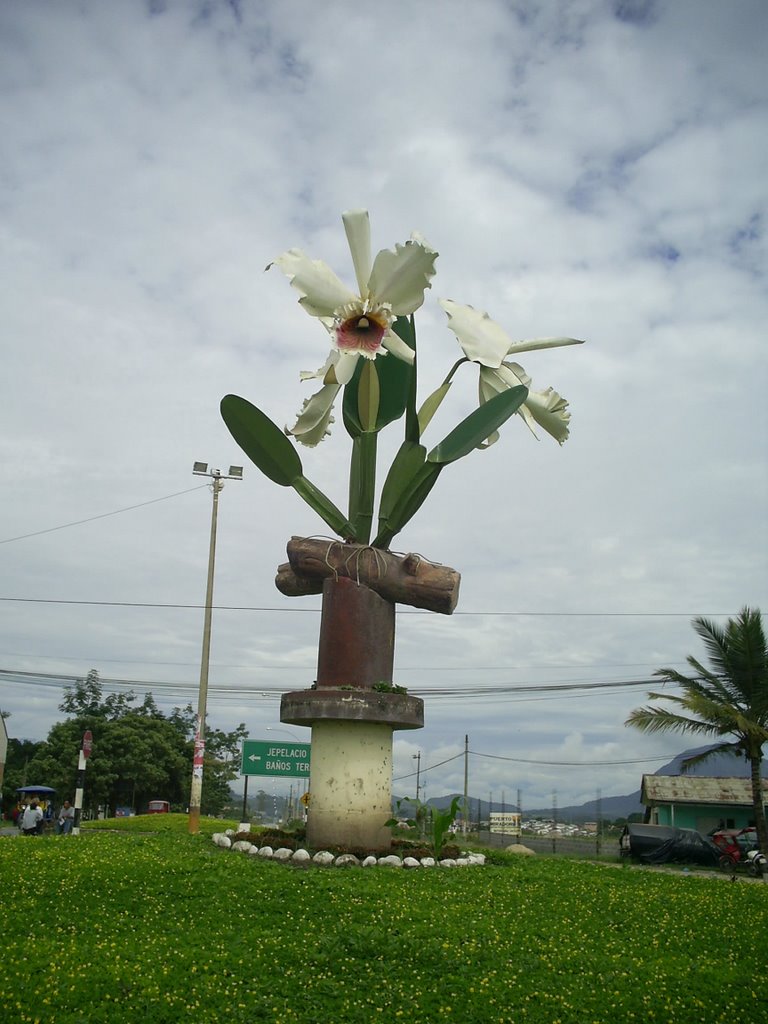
x=361, y=334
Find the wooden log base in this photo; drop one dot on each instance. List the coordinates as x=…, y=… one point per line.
x=403, y=579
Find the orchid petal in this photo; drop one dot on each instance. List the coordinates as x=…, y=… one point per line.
x=508, y=375
x=321, y=374
x=394, y=343
x=322, y=292
x=537, y=343
x=400, y=276
x=345, y=367
x=358, y=228
x=481, y=339
x=550, y=411
x=315, y=416
x=547, y=408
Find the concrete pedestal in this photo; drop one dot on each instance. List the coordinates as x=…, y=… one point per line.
x=350, y=785
x=353, y=711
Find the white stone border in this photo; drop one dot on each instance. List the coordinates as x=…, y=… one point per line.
x=345, y=860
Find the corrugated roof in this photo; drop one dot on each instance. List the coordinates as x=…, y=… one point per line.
x=697, y=789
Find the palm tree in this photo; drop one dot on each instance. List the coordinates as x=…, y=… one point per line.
x=730, y=699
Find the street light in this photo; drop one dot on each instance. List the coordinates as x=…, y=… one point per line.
x=196, y=791
x=289, y=732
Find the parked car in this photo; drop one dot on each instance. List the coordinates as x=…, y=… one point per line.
x=663, y=844
x=637, y=839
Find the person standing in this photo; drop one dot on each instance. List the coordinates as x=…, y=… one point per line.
x=32, y=819
x=66, y=819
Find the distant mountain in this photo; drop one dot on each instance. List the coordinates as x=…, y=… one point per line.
x=719, y=765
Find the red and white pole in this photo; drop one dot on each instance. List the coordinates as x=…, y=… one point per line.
x=85, y=753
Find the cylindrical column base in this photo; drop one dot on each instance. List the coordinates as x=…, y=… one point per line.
x=350, y=785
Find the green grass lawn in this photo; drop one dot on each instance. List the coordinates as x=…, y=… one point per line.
x=159, y=926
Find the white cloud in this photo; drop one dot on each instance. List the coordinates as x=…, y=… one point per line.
x=590, y=168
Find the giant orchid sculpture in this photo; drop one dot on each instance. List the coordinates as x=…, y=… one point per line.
x=373, y=358
x=353, y=706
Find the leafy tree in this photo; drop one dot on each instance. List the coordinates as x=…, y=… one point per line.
x=728, y=699
x=149, y=708
x=85, y=698
x=19, y=755
x=139, y=754
x=184, y=719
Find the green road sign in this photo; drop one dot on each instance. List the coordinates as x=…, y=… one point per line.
x=287, y=760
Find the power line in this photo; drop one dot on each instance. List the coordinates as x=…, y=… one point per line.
x=104, y=515
x=547, y=764
x=223, y=692
x=575, y=764
x=316, y=610
x=423, y=771
x=156, y=604
x=310, y=667
x=479, y=691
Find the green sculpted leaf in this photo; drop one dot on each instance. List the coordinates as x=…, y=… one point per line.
x=368, y=394
x=397, y=378
x=362, y=484
x=473, y=430
x=409, y=502
x=350, y=405
x=408, y=461
x=267, y=446
x=325, y=508
x=432, y=404
x=263, y=441
x=405, y=328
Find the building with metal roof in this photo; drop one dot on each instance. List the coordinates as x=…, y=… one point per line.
x=699, y=802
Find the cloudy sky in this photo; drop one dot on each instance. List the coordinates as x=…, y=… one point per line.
x=593, y=168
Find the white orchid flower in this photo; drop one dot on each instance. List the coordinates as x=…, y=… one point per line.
x=360, y=324
x=315, y=418
x=483, y=341
x=546, y=408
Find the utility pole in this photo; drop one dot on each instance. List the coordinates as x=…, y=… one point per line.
x=196, y=790
x=85, y=752
x=599, y=835
x=466, y=786
x=417, y=758
x=554, y=821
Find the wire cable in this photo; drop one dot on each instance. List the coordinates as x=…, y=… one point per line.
x=104, y=515
x=317, y=610
x=423, y=771
x=574, y=764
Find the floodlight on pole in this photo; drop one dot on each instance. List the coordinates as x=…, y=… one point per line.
x=196, y=790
